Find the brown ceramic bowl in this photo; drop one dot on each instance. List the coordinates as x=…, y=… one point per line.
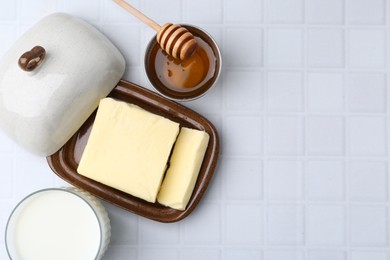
x=65, y=162
x=191, y=93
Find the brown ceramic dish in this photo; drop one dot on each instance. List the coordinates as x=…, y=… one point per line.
x=64, y=162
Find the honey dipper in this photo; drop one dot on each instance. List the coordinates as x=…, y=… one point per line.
x=172, y=38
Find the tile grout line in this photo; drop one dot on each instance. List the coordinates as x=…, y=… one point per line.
x=387, y=132
x=387, y=125
x=265, y=131
x=347, y=236
x=223, y=204
x=305, y=108
x=264, y=126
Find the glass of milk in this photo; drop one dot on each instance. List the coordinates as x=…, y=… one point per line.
x=63, y=223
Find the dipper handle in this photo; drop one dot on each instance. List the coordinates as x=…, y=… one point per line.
x=174, y=39
x=138, y=14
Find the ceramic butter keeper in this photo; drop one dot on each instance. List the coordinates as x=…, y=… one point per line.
x=42, y=108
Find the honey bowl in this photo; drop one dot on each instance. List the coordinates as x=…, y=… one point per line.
x=184, y=80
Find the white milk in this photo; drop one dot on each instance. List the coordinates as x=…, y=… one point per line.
x=54, y=224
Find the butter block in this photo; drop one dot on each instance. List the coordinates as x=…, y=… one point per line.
x=185, y=163
x=128, y=148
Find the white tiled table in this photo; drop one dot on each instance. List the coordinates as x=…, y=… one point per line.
x=302, y=108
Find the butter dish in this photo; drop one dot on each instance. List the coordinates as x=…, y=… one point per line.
x=65, y=161
x=51, y=80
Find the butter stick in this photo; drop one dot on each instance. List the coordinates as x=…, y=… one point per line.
x=185, y=163
x=128, y=149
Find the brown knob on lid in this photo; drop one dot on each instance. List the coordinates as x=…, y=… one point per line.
x=32, y=59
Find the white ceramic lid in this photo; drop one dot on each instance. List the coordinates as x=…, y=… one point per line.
x=43, y=108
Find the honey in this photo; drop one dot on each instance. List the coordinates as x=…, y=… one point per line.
x=188, y=75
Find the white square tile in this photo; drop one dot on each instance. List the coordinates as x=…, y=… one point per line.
x=146, y=35
x=325, y=92
x=236, y=232
x=61, y=183
x=8, y=33
x=325, y=225
x=243, y=179
x=326, y=255
x=242, y=253
x=199, y=253
x=369, y=255
x=120, y=252
x=369, y=225
x=210, y=102
x=153, y=9
x=134, y=74
x=88, y=10
x=250, y=143
x=284, y=48
x=367, y=136
x=7, y=173
x=8, y=10
x=325, y=48
x=285, y=225
x=366, y=11
x=214, y=30
x=367, y=92
x=34, y=10
x=202, y=11
x=244, y=11
x=243, y=53
x=24, y=27
x=387, y=60
x=366, y=48
x=325, y=12
x=6, y=208
x=7, y=145
x=20, y=151
x=325, y=135
x=3, y=252
x=155, y=233
x=150, y=253
x=325, y=180
x=368, y=181
x=127, y=40
x=283, y=255
x=31, y=175
x=243, y=90
x=195, y=230
x=123, y=227
x=285, y=91
x=284, y=11
x=283, y=180
x=284, y=135
x=112, y=12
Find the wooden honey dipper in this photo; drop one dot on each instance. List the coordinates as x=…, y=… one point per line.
x=172, y=38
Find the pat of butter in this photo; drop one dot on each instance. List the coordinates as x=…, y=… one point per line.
x=128, y=148
x=185, y=163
